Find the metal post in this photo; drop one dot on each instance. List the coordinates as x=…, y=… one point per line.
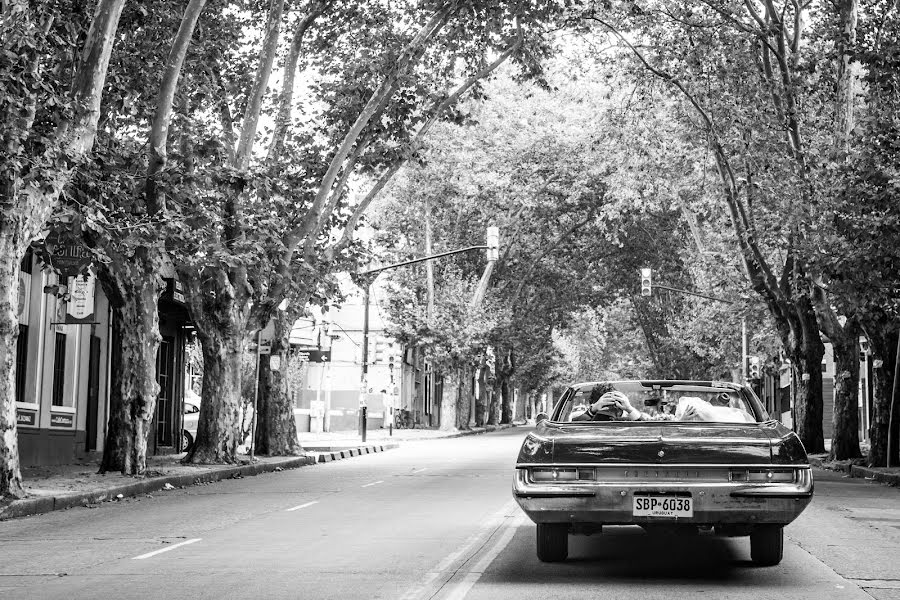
x=893, y=402
x=255, y=394
x=744, y=347
x=364, y=379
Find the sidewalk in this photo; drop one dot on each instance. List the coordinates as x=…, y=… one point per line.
x=890, y=476
x=856, y=468
x=60, y=487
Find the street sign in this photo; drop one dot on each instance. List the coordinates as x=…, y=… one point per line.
x=315, y=356
x=275, y=362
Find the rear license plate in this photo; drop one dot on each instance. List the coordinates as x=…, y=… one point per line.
x=663, y=505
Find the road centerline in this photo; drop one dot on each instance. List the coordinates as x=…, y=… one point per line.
x=161, y=550
x=373, y=483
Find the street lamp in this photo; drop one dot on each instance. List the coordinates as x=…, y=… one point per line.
x=368, y=277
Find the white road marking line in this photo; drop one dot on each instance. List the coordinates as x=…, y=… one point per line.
x=420, y=470
x=373, y=483
x=463, y=586
x=485, y=530
x=303, y=506
x=160, y=551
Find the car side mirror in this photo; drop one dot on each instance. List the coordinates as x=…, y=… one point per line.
x=540, y=418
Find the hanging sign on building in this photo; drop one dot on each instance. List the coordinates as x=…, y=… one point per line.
x=80, y=307
x=66, y=254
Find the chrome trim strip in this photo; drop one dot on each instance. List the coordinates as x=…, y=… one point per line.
x=659, y=466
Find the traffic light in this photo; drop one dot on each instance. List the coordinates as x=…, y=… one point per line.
x=493, y=243
x=380, y=349
x=646, y=283
x=755, y=370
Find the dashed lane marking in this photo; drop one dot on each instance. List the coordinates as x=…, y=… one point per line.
x=303, y=505
x=374, y=483
x=166, y=549
x=420, y=470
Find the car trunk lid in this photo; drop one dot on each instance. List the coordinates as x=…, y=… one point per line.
x=660, y=443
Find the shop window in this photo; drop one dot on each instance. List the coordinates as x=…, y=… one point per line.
x=21, y=355
x=59, y=369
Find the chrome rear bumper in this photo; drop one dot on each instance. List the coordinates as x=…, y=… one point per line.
x=715, y=503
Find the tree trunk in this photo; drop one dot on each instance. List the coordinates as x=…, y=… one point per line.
x=276, y=428
x=464, y=398
x=482, y=403
x=845, y=435
x=133, y=288
x=883, y=342
x=493, y=416
x=11, y=255
x=843, y=106
x=807, y=353
x=449, y=400
x=506, y=416
x=218, y=427
x=220, y=308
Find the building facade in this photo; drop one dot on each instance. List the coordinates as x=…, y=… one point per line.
x=63, y=361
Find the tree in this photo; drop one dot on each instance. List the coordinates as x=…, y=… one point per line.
x=122, y=214
x=731, y=113
x=48, y=127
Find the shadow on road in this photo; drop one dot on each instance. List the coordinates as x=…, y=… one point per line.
x=626, y=554
x=630, y=552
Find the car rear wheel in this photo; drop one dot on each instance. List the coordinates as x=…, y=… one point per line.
x=552, y=541
x=767, y=545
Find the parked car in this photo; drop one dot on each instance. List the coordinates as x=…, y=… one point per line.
x=191, y=411
x=735, y=473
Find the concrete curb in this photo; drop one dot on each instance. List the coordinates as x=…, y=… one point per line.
x=329, y=454
x=857, y=471
x=875, y=474
x=313, y=446
x=477, y=430
x=42, y=504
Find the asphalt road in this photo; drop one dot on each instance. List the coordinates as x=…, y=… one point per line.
x=433, y=519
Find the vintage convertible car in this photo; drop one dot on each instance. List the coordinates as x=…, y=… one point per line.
x=736, y=473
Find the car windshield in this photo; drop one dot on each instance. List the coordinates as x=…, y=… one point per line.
x=685, y=402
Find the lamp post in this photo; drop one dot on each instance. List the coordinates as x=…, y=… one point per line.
x=368, y=277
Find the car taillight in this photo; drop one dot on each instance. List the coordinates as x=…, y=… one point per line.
x=565, y=474
x=771, y=475
x=535, y=446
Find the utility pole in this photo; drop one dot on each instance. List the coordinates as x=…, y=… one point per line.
x=364, y=379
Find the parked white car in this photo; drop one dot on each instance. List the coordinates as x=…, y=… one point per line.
x=191, y=409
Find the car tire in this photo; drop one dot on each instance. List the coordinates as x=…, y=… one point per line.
x=552, y=541
x=767, y=545
x=187, y=441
